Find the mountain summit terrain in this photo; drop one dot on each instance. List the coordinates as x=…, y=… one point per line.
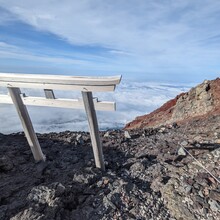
x=200, y=103
x=164, y=167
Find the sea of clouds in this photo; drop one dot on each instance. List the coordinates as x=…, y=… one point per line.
x=132, y=99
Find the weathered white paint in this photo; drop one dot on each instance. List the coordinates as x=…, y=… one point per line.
x=59, y=82
x=60, y=79
x=60, y=103
x=58, y=86
x=49, y=82
x=26, y=123
x=93, y=129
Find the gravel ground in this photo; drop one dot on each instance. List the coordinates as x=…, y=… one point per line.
x=148, y=176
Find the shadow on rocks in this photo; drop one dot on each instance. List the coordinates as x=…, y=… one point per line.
x=68, y=186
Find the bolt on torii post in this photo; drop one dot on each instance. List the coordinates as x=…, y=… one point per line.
x=48, y=83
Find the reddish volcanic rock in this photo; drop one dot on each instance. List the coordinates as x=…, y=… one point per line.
x=200, y=102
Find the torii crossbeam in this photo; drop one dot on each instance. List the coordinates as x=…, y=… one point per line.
x=48, y=83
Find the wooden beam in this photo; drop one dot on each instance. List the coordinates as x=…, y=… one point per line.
x=60, y=103
x=5, y=99
x=59, y=82
x=83, y=83
x=105, y=88
x=94, y=130
x=26, y=123
x=61, y=79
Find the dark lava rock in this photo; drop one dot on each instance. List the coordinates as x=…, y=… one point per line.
x=5, y=163
x=145, y=178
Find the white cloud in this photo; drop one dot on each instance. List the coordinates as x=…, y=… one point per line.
x=161, y=34
x=78, y=62
x=114, y=23
x=132, y=99
x=11, y=51
x=120, y=52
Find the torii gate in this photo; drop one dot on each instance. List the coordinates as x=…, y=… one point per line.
x=48, y=83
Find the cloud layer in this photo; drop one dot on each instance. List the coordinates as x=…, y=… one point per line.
x=133, y=99
x=169, y=39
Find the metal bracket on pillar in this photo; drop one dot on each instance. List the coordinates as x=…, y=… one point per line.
x=49, y=94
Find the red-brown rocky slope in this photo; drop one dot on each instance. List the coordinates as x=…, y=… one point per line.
x=201, y=102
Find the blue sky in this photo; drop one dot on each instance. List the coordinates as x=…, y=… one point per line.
x=150, y=40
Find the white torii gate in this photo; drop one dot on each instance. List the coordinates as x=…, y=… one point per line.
x=86, y=85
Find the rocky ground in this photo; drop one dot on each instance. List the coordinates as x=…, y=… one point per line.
x=148, y=175
x=199, y=103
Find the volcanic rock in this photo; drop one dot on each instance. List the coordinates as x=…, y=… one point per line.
x=145, y=178
x=167, y=173
x=200, y=103
x=5, y=163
